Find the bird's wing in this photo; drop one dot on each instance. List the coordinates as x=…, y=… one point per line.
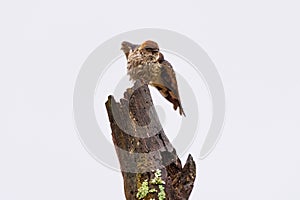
x=166, y=83
x=128, y=47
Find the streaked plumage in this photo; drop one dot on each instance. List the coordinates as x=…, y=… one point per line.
x=146, y=63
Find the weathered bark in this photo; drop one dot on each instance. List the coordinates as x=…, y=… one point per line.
x=142, y=147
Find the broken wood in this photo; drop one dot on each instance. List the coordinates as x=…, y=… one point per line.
x=148, y=161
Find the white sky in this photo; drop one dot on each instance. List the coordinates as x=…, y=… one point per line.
x=254, y=45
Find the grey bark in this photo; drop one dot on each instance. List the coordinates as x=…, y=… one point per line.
x=142, y=146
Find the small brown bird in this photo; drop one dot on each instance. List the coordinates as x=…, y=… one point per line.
x=146, y=63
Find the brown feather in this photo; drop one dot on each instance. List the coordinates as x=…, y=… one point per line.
x=147, y=64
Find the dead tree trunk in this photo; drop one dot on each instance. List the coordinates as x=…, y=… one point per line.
x=150, y=166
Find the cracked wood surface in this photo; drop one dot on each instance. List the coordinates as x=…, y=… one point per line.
x=142, y=146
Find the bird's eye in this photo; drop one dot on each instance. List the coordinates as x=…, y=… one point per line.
x=148, y=49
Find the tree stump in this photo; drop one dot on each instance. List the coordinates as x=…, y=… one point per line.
x=150, y=166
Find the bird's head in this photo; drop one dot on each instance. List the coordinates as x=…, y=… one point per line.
x=150, y=48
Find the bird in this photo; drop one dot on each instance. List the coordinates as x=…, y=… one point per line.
x=146, y=63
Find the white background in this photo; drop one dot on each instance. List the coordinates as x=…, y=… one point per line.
x=254, y=45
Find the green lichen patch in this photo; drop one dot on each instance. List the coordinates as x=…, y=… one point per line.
x=157, y=180
x=144, y=190
x=161, y=194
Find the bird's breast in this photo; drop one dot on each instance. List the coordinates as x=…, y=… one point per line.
x=144, y=71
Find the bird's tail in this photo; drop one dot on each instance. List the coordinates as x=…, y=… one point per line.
x=127, y=47
x=170, y=96
x=181, y=112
